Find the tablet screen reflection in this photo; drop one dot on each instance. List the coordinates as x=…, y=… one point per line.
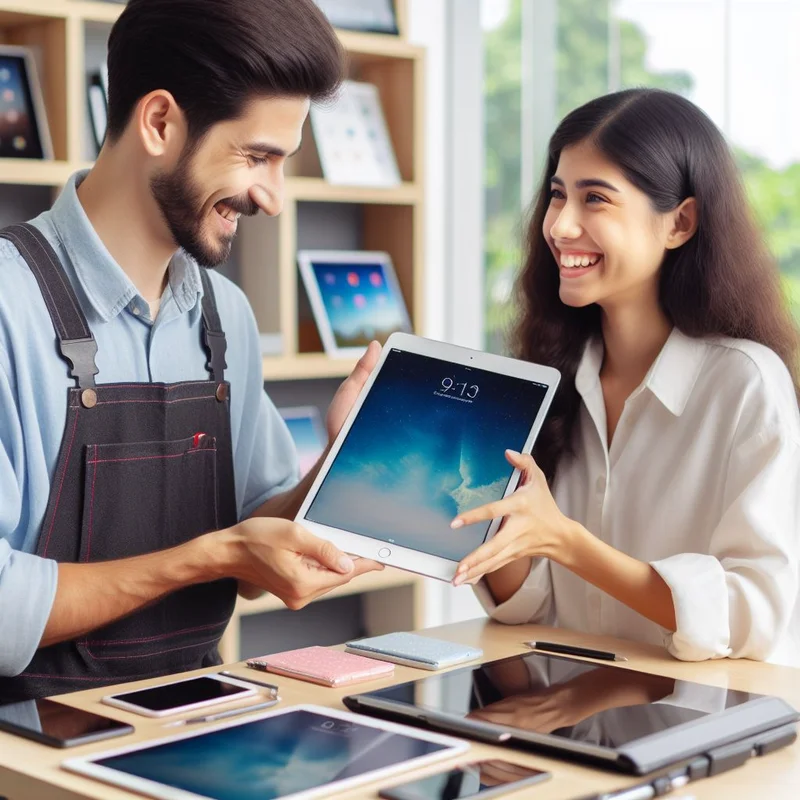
x=601, y=705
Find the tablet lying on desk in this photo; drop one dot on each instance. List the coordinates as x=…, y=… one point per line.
x=297, y=753
x=611, y=716
x=424, y=442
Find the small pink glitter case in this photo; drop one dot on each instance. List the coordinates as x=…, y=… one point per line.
x=323, y=665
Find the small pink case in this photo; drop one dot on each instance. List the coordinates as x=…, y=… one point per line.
x=323, y=666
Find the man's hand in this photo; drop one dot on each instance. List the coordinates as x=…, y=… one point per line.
x=348, y=392
x=283, y=558
x=263, y=553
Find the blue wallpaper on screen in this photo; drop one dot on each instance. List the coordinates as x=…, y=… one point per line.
x=270, y=758
x=360, y=303
x=425, y=446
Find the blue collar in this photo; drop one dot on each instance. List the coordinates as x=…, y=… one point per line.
x=107, y=287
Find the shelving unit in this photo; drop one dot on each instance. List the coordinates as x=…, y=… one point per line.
x=68, y=38
x=63, y=31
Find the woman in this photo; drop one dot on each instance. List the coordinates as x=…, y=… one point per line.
x=672, y=449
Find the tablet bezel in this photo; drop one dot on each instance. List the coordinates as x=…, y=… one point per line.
x=87, y=767
x=402, y=557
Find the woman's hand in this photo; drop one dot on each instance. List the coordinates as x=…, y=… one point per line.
x=533, y=525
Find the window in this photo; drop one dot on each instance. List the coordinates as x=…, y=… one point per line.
x=735, y=59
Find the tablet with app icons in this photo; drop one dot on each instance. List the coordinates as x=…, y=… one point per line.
x=23, y=123
x=355, y=297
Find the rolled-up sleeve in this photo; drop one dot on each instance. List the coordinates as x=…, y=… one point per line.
x=531, y=603
x=27, y=582
x=738, y=600
x=27, y=590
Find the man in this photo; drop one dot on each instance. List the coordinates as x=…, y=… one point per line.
x=143, y=478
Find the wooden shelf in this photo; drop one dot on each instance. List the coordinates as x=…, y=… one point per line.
x=306, y=366
x=319, y=190
x=21, y=13
x=90, y=10
x=32, y=172
x=371, y=582
x=377, y=45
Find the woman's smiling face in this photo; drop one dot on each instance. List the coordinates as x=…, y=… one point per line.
x=605, y=236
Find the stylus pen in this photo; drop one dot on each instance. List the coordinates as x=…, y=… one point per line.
x=232, y=712
x=570, y=650
x=271, y=686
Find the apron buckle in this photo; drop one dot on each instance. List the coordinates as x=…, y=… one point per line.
x=216, y=345
x=81, y=354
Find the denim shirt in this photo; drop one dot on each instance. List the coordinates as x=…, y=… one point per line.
x=131, y=348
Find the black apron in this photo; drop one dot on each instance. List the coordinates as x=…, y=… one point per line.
x=142, y=467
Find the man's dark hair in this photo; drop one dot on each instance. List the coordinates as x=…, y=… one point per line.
x=214, y=56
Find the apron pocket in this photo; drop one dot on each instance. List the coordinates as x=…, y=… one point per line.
x=139, y=498
x=147, y=496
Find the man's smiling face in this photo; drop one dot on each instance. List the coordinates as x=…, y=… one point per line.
x=236, y=168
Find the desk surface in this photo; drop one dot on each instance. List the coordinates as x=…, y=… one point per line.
x=30, y=771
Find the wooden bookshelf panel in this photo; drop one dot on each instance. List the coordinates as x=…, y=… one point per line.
x=33, y=172
x=391, y=228
x=306, y=366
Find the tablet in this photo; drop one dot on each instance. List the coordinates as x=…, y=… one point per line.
x=301, y=752
x=425, y=441
x=355, y=297
x=613, y=717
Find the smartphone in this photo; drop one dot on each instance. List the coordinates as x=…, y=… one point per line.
x=57, y=724
x=179, y=696
x=480, y=779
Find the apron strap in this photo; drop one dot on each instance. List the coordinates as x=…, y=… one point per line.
x=213, y=336
x=75, y=340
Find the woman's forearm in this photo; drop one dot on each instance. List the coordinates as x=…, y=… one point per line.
x=634, y=583
x=506, y=582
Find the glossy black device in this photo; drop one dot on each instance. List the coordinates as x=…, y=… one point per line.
x=619, y=718
x=480, y=779
x=181, y=693
x=57, y=724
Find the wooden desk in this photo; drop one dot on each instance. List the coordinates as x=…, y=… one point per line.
x=29, y=771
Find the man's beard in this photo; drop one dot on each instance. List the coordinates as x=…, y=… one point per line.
x=180, y=202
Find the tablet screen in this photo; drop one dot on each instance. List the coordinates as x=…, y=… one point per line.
x=19, y=136
x=428, y=443
x=271, y=757
x=589, y=703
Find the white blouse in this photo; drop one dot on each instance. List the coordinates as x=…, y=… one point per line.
x=702, y=481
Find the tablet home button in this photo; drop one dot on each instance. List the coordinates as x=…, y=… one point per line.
x=384, y=552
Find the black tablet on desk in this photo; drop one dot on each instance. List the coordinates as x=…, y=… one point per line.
x=630, y=721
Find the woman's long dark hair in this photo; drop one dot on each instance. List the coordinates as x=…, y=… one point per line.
x=723, y=281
